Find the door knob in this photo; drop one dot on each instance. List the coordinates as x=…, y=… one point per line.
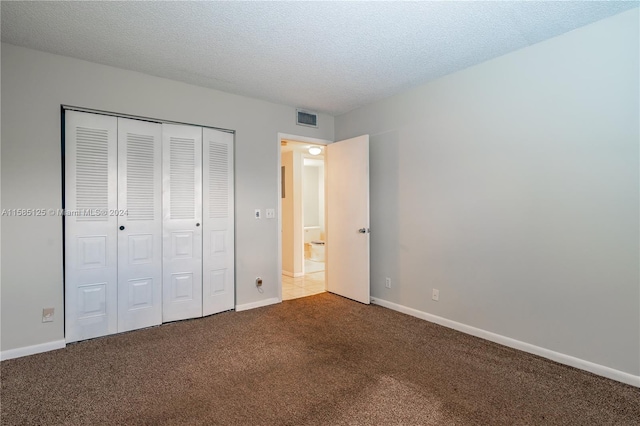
x=122, y=227
x=362, y=230
x=197, y=224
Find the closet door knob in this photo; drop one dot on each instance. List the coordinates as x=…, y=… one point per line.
x=197, y=224
x=122, y=227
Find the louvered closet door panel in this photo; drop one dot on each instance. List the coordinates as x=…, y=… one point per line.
x=90, y=229
x=140, y=224
x=218, y=222
x=182, y=219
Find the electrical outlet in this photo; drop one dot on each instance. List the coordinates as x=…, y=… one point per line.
x=271, y=213
x=47, y=314
x=258, y=282
x=258, y=214
x=387, y=282
x=435, y=295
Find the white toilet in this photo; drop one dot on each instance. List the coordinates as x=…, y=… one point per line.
x=317, y=251
x=314, y=241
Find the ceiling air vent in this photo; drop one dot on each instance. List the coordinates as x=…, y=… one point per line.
x=306, y=118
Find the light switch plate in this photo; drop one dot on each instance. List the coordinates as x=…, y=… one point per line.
x=258, y=214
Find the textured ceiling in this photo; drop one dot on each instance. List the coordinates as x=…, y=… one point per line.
x=324, y=56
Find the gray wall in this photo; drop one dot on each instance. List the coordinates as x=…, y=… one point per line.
x=34, y=85
x=512, y=187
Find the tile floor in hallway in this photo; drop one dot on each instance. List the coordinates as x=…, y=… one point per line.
x=307, y=285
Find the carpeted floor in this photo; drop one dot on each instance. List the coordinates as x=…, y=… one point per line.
x=321, y=360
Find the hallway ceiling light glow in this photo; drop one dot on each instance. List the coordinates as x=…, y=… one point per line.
x=314, y=150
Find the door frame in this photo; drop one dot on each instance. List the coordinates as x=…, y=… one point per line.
x=296, y=138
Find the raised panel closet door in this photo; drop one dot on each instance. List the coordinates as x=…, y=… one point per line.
x=140, y=224
x=182, y=220
x=91, y=276
x=218, y=222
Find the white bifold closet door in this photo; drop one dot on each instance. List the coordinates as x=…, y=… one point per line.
x=91, y=232
x=218, y=225
x=139, y=224
x=182, y=220
x=149, y=231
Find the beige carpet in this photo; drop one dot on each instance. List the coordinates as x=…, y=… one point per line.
x=321, y=360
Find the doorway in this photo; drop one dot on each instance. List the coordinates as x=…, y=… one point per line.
x=302, y=217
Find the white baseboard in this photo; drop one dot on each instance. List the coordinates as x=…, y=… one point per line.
x=258, y=304
x=293, y=274
x=59, y=344
x=571, y=361
x=31, y=350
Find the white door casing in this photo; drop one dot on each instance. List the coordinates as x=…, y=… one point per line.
x=218, y=222
x=347, y=236
x=139, y=217
x=90, y=227
x=182, y=220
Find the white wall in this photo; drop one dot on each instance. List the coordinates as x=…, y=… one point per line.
x=321, y=199
x=311, y=195
x=34, y=85
x=286, y=161
x=512, y=187
x=292, y=249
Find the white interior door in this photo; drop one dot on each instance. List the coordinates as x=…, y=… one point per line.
x=182, y=230
x=91, y=275
x=218, y=222
x=347, y=236
x=140, y=224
